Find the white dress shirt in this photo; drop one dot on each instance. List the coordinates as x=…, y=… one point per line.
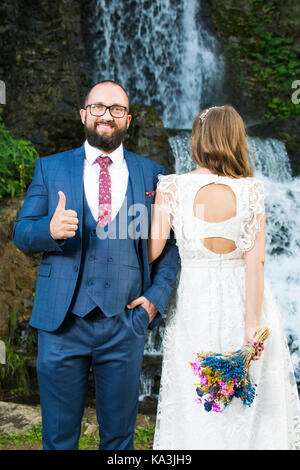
x=119, y=179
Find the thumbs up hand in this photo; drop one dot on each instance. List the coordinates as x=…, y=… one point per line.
x=63, y=223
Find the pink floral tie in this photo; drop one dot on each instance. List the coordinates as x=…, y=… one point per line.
x=104, y=216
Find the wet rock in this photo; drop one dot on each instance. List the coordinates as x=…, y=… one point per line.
x=18, y=419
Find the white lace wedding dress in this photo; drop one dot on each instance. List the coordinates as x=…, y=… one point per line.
x=206, y=313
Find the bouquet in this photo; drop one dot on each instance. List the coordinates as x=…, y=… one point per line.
x=225, y=376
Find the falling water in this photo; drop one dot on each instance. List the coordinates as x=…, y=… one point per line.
x=161, y=51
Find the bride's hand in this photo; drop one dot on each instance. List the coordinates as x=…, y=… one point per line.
x=249, y=338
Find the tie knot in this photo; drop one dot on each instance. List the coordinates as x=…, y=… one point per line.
x=104, y=161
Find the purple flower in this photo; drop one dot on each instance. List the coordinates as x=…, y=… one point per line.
x=203, y=379
x=196, y=368
x=216, y=408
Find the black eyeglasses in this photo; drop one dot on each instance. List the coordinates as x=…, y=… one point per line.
x=115, y=110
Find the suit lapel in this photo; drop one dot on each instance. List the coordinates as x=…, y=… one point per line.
x=137, y=181
x=75, y=167
x=136, y=178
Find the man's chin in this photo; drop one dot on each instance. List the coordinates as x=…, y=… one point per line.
x=107, y=141
x=100, y=142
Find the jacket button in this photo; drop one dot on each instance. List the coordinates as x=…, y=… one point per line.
x=75, y=268
x=107, y=284
x=109, y=259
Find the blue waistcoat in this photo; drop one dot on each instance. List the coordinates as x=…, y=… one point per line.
x=110, y=274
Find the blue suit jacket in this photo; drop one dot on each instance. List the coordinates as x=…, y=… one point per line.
x=58, y=271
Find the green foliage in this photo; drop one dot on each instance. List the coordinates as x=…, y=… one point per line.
x=17, y=162
x=143, y=438
x=33, y=436
x=265, y=57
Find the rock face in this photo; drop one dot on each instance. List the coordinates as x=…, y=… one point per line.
x=17, y=271
x=148, y=137
x=17, y=419
x=43, y=65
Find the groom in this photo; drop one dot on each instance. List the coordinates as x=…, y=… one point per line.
x=89, y=210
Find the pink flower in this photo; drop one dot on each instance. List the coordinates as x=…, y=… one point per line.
x=216, y=408
x=226, y=390
x=203, y=379
x=196, y=368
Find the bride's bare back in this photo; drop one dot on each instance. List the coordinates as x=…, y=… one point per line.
x=216, y=203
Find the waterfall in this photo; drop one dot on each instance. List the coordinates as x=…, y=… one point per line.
x=161, y=51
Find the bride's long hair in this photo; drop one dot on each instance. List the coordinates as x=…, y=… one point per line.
x=219, y=142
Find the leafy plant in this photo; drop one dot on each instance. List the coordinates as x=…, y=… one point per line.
x=33, y=436
x=17, y=162
x=264, y=55
x=143, y=438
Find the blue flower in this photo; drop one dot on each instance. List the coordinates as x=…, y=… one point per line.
x=207, y=406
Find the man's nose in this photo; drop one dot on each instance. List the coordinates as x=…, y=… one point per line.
x=107, y=114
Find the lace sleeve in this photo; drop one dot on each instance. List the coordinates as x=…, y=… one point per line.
x=254, y=212
x=167, y=186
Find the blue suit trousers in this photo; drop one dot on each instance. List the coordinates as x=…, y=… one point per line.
x=113, y=347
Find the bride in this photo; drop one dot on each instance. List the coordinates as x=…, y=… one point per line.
x=221, y=300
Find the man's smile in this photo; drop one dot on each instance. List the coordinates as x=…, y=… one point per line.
x=105, y=125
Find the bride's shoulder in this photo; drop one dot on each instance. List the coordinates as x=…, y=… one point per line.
x=251, y=180
x=253, y=183
x=251, y=193
x=167, y=182
x=167, y=178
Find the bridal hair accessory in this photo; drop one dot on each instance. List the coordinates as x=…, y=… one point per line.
x=204, y=114
x=225, y=376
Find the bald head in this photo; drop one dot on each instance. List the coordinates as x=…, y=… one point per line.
x=114, y=88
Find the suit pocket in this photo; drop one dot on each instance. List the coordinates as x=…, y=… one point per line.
x=140, y=320
x=132, y=267
x=44, y=270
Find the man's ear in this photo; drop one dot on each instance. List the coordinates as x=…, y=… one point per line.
x=129, y=117
x=82, y=115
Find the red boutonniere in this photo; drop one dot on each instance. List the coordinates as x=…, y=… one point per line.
x=150, y=193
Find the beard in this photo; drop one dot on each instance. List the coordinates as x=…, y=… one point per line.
x=107, y=143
